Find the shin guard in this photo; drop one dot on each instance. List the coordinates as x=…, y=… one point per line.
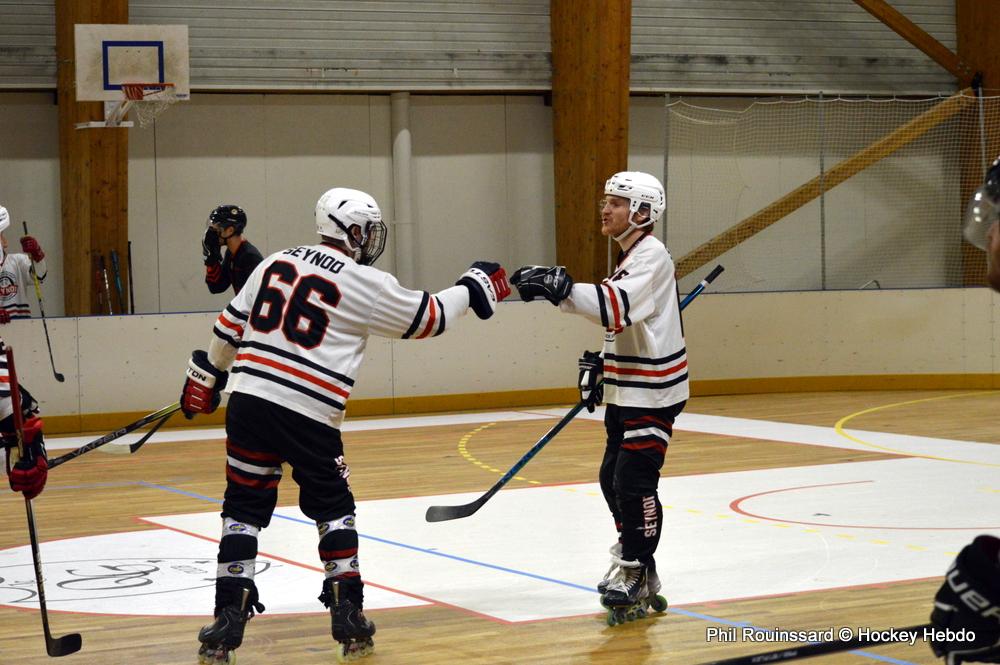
x=338, y=548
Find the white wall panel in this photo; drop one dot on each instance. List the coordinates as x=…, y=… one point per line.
x=530, y=346
x=459, y=185
x=208, y=152
x=143, y=221
x=34, y=369
x=313, y=144
x=482, y=181
x=530, y=205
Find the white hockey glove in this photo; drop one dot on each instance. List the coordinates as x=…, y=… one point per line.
x=203, y=386
x=487, y=284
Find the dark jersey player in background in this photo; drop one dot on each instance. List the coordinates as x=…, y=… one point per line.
x=225, y=228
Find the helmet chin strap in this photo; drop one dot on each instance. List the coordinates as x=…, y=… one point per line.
x=348, y=238
x=632, y=226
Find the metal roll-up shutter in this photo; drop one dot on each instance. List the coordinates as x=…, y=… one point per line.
x=776, y=45
x=27, y=44
x=753, y=46
x=346, y=45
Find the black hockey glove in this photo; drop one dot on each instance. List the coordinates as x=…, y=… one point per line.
x=211, y=247
x=487, y=284
x=591, y=379
x=966, y=615
x=203, y=386
x=537, y=282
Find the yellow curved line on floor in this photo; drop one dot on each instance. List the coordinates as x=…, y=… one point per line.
x=463, y=450
x=839, y=428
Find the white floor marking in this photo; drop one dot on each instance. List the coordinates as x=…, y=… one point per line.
x=535, y=553
x=159, y=572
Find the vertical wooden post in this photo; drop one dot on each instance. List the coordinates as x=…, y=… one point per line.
x=978, y=24
x=93, y=165
x=591, y=48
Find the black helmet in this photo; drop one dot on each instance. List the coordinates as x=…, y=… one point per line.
x=229, y=215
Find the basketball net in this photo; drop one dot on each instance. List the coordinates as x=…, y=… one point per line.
x=147, y=99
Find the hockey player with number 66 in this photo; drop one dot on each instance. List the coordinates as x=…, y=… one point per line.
x=288, y=349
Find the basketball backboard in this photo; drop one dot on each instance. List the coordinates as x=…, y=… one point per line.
x=109, y=55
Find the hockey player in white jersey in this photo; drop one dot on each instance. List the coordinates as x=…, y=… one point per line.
x=642, y=373
x=16, y=273
x=290, y=344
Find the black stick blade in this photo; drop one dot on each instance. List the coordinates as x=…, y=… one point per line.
x=60, y=378
x=138, y=444
x=445, y=513
x=63, y=646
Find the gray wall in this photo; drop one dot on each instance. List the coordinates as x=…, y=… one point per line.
x=483, y=185
x=482, y=181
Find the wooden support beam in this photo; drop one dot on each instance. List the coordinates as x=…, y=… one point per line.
x=93, y=165
x=802, y=195
x=916, y=35
x=591, y=49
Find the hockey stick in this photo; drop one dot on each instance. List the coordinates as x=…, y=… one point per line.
x=116, y=268
x=41, y=308
x=131, y=281
x=444, y=513
x=822, y=648
x=104, y=275
x=117, y=434
x=97, y=282
x=716, y=271
x=54, y=646
x=132, y=447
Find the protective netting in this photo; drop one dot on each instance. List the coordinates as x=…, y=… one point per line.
x=818, y=193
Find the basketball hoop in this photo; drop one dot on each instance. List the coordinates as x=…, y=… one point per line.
x=148, y=99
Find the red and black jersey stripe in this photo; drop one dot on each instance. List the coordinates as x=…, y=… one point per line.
x=672, y=368
x=435, y=318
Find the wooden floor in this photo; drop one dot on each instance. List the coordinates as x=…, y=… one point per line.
x=91, y=496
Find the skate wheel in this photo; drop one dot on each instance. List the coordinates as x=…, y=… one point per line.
x=659, y=604
x=351, y=651
x=215, y=656
x=617, y=617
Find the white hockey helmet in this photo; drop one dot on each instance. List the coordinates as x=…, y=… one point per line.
x=4, y=223
x=353, y=218
x=983, y=210
x=640, y=189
